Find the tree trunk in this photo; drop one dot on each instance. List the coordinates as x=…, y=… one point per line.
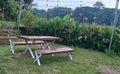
x=3, y=14
x=19, y=16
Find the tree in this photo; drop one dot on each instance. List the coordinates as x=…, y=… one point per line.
x=28, y=1
x=99, y=5
x=2, y=7
x=28, y=4
x=58, y=11
x=29, y=21
x=9, y=9
x=24, y=4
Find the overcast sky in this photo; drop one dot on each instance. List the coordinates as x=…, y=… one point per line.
x=45, y=4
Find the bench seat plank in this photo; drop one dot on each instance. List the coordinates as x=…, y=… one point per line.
x=6, y=30
x=55, y=51
x=39, y=53
x=29, y=42
x=8, y=37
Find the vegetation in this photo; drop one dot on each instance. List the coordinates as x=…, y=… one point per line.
x=7, y=23
x=84, y=62
x=10, y=9
x=29, y=21
x=90, y=36
x=78, y=28
x=103, y=16
x=99, y=5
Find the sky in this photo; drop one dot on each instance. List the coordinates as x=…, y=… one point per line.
x=45, y=4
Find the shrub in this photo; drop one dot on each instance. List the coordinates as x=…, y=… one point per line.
x=29, y=21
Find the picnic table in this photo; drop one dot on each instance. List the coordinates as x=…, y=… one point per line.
x=44, y=46
x=36, y=38
x=44, y=49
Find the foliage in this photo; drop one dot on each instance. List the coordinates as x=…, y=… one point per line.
x=116, y=42
x=27, y=4
x=29, y=21
x=9, y=9
x=99, y=5
x=103, y=16
x=3, y=5
x=28, y=1
x=2, y=23
x=58, y=11
x=90, y=36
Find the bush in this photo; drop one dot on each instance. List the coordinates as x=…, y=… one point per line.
x=29, y=21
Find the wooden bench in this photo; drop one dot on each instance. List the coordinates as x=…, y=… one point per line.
x=39, y=53
x=8, y=37
x=9, y=32
x=13, y=44
x=6, y=31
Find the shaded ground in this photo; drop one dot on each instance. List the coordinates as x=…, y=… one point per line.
x=108, y=69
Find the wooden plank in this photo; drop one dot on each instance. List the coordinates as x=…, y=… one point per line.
x=29, y=42
x=39, y=37
x=5, y=30
x=55, y=51
x=8, y=37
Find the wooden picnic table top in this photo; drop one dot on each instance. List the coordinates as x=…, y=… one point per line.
x=38, y=37
x=8, y=37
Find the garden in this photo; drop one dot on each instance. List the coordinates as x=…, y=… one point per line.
x=86, y=39
x=84, y=33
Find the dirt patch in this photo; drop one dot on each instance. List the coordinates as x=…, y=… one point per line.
x=108, y=69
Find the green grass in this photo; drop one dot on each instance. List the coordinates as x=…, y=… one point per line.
x=84, y=62
x=7, y=23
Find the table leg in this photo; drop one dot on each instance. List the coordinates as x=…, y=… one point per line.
x=29, y=48
x=48, y=45
x=38, y=55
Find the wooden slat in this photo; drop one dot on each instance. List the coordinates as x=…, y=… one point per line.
x=5, y=30
x=29, y=42
x=39, y=37
x=8, y=37
x=55, y=51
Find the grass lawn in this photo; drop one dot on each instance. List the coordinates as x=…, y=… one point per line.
x=7, y=23
x=84, y=62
